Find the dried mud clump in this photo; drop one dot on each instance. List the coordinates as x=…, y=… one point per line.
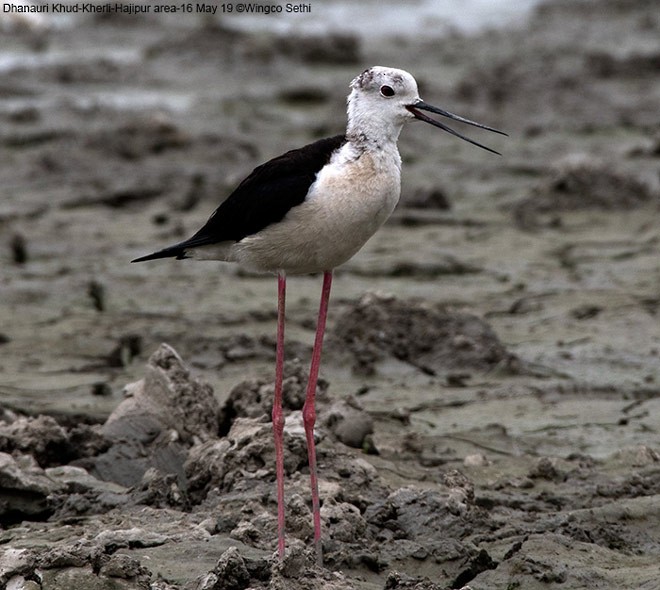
x=582, y=183
x=242, y=459
x=49, y=442
x=398, y=581
x=344, y=419
x=405, y=526
x=24, y=489
x=253, y=398
x=348, y=422
x=163, y=415
x=42, y=437
x=296, y=571
x=169, y=395
x=85, y=564
x=38, y=476
x=433, y=340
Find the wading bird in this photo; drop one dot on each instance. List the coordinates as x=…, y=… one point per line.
x=310, y=210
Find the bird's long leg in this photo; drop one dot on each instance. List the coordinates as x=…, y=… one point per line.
x=309, y=411
x=278, y=416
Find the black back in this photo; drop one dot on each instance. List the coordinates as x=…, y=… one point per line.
x=264, y=197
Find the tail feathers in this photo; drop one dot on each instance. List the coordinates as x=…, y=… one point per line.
x=177, y=252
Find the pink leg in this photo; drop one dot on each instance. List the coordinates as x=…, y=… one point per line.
x=278, y=416
x=309, y=412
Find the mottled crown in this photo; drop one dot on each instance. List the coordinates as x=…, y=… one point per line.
x=376, y=76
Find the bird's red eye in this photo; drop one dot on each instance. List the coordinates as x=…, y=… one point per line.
x=387, y=91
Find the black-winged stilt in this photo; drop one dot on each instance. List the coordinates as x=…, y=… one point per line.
x=310, y=210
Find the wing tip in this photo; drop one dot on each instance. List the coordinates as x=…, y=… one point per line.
x=175, y=252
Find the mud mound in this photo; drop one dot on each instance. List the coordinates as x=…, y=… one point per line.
x=50, y=443
x=432, y=340
x=408, y=520
x=24, y=489
x=144, y=443
x=235, y=477
x=579, y=183
x=296, y=571
x=365, y=522
x=253, y=398
x=344, y=419
x=34, y=479
x=244, y=457
x=85, y=565
x=164, y=414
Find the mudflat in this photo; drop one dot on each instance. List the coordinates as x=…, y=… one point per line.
x=490, y=395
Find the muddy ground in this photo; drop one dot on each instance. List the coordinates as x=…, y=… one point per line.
x=489, y=408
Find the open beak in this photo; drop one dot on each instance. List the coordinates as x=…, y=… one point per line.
x=415, y=110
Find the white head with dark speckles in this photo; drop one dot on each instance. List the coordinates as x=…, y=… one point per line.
x=383, y=99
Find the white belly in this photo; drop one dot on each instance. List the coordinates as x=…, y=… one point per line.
x=346, y=205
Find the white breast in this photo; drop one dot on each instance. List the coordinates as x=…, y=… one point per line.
x=352, y=197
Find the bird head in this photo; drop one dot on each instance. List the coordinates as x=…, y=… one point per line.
x=383, y=99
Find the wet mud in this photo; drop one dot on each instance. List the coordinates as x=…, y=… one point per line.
x=488, y=404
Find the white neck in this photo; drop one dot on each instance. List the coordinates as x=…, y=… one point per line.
x=368, y=127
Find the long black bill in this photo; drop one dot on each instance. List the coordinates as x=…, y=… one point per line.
x=413, y=108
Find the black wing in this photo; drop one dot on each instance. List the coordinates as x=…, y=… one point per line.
x=264, y=197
